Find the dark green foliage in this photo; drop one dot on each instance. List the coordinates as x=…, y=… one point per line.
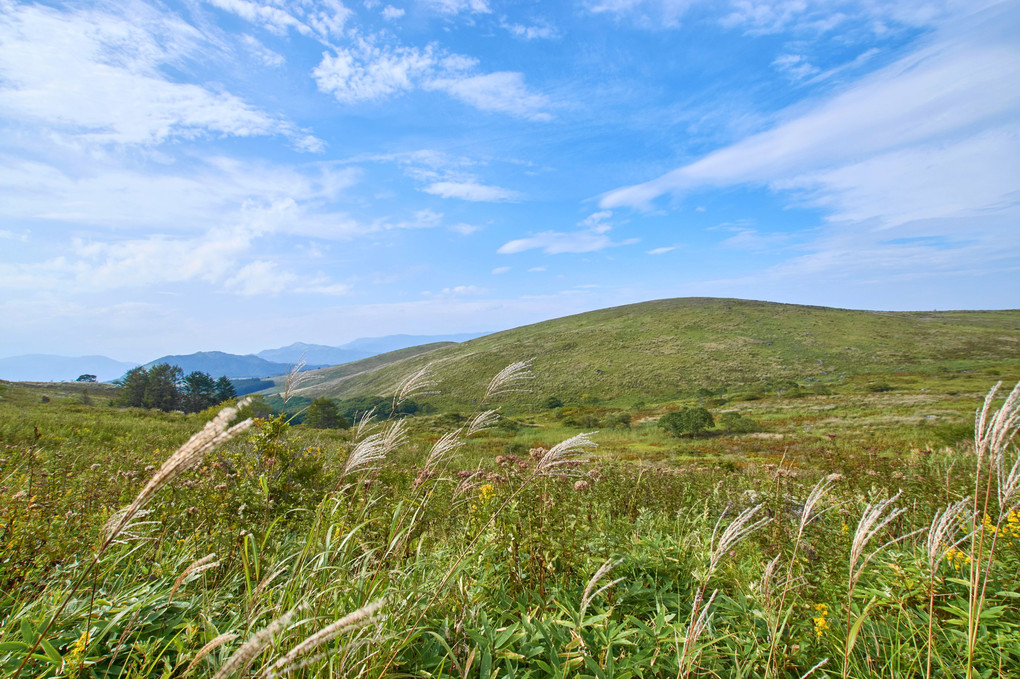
x=617, y=421
x=324, y=414
x=735, y=423
x=879, y=387
x=552, y=402
x=199, y=392
x=691, y=421
x=225, y=389
x=134, y=384
x=86, y=378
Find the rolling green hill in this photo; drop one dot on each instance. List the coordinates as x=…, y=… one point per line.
x=330, y=381
x=673, y=347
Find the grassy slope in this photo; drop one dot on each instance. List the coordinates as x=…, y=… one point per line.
x=329, y=380
x=672, y=347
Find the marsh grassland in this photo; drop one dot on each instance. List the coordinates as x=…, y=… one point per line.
x=865, y=528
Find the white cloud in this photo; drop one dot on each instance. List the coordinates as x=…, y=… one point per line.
x=500, y=270
x=930, y=135
x=472, y=191
x=266, y=278
x=371, y=73
x=652, y=13
x=97, y=77
x=464, y=229
x=502, y=92
x=536, y=269
x=661, y=251
x=323, y=19
x=458, y=6
x=390, y=13
x=794, y=65
x=267, y=56
x=538, y=31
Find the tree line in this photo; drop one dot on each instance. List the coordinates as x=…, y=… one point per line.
x=167, y=388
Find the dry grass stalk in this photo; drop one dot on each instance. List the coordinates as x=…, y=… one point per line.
x=812, y=670
x=740, y=528
x=483, y=420
x=509, y=379
x=255, y=645
x=363, y=616
x=700, y=616
x=374, y=448
x=442, y=450
x=266, y=582
x=420, y=383
x=207, y=649
x=992, y=436
x=294, y=378
x=187, y=456
x=588, y=595
x=873, y=520
x=198, y=566
x=566, y=452
x=943, y=527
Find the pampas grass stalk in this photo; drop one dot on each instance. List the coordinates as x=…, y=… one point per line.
x=194, y=450
x=207, y=649
x=509, y=379
x=590, y=592
x=198, y=566
x=255, y=644
x=363, y=616
x=992, y=436
x=937, y=545
x=807, y=515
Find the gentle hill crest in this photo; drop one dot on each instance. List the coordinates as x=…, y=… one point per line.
x=671, y=347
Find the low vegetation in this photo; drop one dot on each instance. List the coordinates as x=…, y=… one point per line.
x=860, y=533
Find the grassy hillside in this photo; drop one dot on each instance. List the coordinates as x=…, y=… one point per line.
x=330, y=380
x=673, y=347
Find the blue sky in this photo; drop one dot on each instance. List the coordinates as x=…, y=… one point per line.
x=243, y=174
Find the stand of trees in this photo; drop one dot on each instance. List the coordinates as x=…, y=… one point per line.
x=166, y=387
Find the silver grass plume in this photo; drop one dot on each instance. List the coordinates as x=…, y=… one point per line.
x=943, y=527
x=255, y=645
x=374, y=448
x=992, y=436
x=767, y=582
x=589, y=594
x=420, y=383
x=509, y=379
x=483, y=420
x=740, y=528
x=443, y=449
x=873, y=520
x=198, y=566
x=699, y=621
x=364, y=422
x=565, y=453
x=207, y=649
x=187, y=456
x=813, y=499
x=294, y=378
x=363, y=616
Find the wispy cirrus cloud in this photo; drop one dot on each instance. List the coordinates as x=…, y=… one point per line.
x=98, y=77
x=866, y=152
x=592, y=238
x=373, y=71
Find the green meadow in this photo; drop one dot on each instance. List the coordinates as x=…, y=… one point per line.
x=851, y=530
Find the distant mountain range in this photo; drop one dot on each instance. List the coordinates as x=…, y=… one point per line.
x=365, y=347
x=267, y=363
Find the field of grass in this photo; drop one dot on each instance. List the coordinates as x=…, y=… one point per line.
x=674, y=347
x=850, y=531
